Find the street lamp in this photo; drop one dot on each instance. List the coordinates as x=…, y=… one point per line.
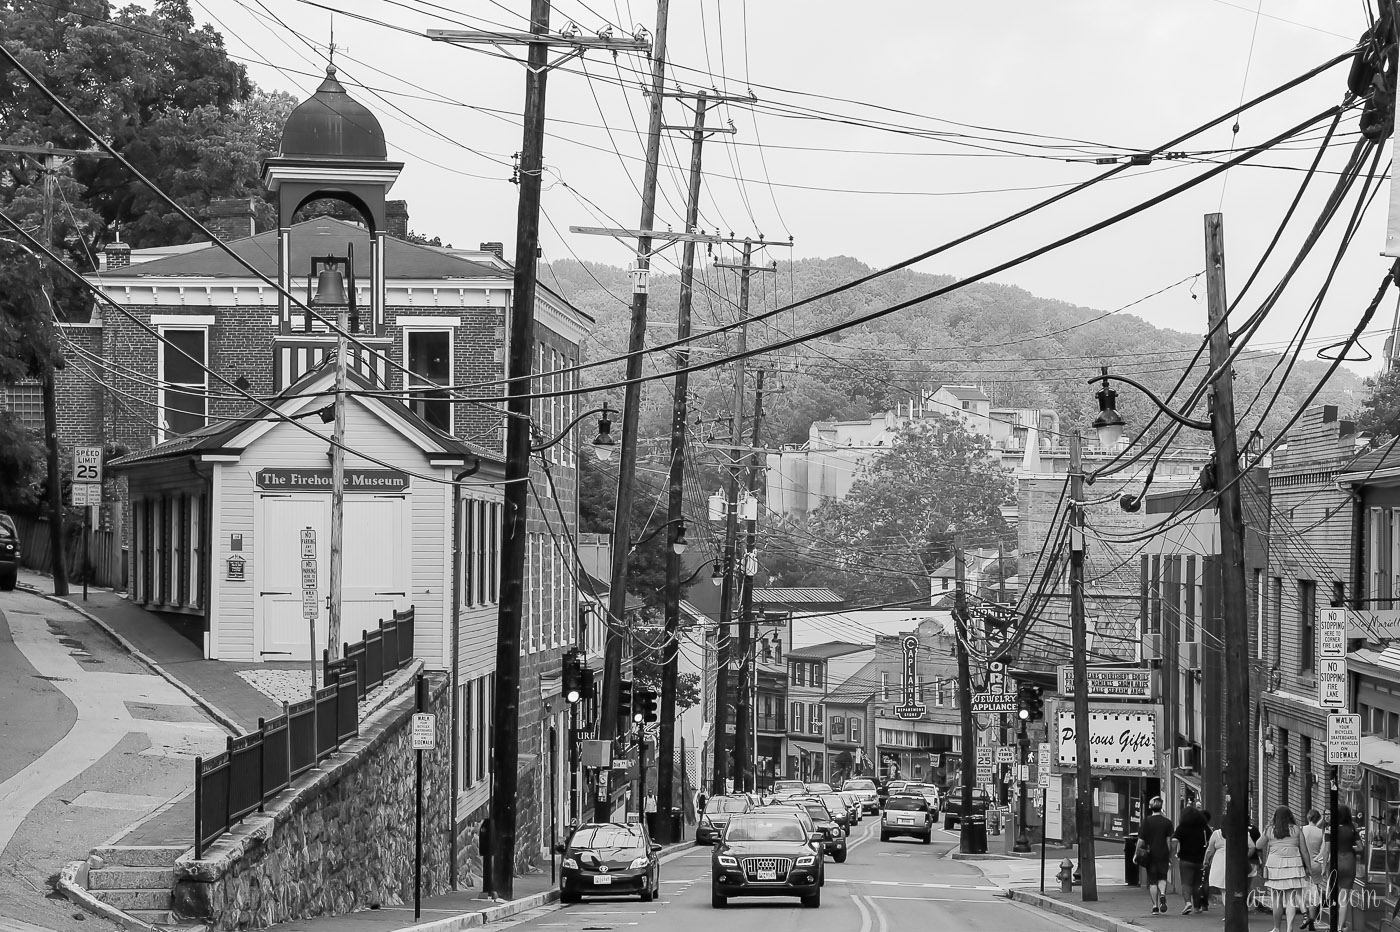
x=1109, y=423
x=717, y=575
x=603, y=443
x=679, y=544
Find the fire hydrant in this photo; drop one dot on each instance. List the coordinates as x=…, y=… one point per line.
x=1066, y=876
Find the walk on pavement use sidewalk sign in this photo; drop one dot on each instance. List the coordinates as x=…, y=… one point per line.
x=1343, y=738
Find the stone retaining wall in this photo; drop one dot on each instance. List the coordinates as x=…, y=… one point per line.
x=341, y=840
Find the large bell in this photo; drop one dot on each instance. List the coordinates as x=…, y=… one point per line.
x=330, y=288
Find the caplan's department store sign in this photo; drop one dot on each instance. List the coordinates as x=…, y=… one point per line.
x=295, y=479
x=1118, y=740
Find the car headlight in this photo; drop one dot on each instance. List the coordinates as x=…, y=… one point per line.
x=806, y=860
x=727, y=861
x=571, y=864
x=637, y=864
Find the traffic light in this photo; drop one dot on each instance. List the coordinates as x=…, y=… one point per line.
x=1035, y=702
x=573, y=686
x=1023, y=701
x=646, y=702
x=624, y=701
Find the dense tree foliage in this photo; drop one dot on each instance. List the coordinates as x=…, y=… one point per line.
x=1380, y=410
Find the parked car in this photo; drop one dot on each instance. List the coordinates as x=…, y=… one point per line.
x=609, y=859
x=833, y=835
x=9, y=552
x=718, y=811
x=766, y=853
x=868, y=792
x=816, y=789
x=907, y=815
x=788, y=788
x=952, y=806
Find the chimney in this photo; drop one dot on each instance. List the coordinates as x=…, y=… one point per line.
x=496, y=249
x=397, y=213
x=118, y=255
x=231, y=218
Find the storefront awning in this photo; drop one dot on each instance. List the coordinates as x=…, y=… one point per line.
x=1379, y=754
x=810, y=747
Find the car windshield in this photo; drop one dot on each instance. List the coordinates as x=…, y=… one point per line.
x=817, y=811
x=727, y=804
x=765, y=829
x=612, y=837
x=858, y=785
x=925, y=788
x=834, y=802
x=915, y=803
x=818, y=788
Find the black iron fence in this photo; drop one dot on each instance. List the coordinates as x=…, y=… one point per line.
x=255, y=767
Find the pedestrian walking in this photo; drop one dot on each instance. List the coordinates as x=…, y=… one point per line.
x=1286, y=858
x=1191, y=837
x=1155, y=838
x=1317, y=843
x=1349, y=844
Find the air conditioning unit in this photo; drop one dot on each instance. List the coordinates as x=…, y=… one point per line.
x=1186, y=758
x=1191, y=655
x=1152, y=647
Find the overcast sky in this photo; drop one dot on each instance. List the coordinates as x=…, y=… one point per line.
x=982, y=103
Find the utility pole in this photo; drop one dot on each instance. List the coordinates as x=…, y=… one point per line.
x=743, y=730
x=505, y=747
x=57, y=555
x=969, y=841
x=337, y=556
x=632, y=397
x=670, y=672
x=1236, y=635
x=731, y=530
x=1084, y=794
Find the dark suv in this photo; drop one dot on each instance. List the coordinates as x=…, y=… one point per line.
x=952, y=805
x=824, y=823
x=9, y=552
x=766, y=853
x=609, y=859
x=907, y=815
x=718, y=811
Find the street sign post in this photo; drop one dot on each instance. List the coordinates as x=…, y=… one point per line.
x=1332, y=682
x=1343, y=738
x=1042, y=763
x=309, y=603
x=1332, y=633
x=424, y=732
x=986, y=767
x=1006, y=754
x=87, y=464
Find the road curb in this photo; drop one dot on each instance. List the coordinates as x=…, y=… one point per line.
x=1078, y=913
x=224, y=720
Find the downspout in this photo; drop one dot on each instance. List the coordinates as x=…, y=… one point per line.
x=456, y=657
x=1358, y=548
x=205, y=569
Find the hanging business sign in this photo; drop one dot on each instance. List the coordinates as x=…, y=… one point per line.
x=1117, y=740
x=319, y=480
x=1110, y=682
x=911, y=708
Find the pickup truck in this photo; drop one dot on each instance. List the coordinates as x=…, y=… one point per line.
x=952, y=805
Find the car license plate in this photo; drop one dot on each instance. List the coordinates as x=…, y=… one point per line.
x=602, y=880
x=766, y=875
x=904, y=821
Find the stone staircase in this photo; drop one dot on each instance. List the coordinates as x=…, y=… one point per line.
x=136, y=880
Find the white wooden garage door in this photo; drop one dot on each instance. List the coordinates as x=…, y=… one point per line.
x=375, y=568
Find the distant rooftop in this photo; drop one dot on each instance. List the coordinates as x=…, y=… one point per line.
x=827, y=651
x=793, y=595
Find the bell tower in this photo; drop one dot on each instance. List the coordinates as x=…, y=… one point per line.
x=332, y=147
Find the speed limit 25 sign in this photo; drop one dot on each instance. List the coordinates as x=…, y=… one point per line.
x=87, y=464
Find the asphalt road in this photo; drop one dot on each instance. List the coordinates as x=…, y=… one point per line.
x=92, y=743
x=883, y=887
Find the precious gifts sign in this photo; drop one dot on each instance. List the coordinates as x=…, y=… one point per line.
x=1118, y=740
